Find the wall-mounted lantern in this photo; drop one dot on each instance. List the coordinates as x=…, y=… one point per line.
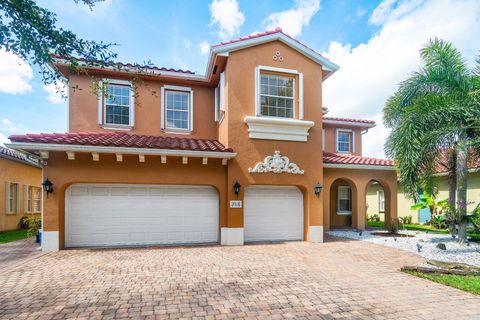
x=47, y=186
x=236, y=187
x=318, y=188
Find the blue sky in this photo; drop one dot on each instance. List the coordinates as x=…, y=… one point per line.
x=353, y=34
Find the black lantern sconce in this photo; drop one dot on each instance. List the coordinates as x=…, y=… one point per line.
x=236, y=187
x=47, y=186
x=318, y=189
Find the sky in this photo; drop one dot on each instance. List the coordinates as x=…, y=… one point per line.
x=376, y=44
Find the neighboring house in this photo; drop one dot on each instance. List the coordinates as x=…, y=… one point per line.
x=20, y=188
x=164, y=156
x=375, y=194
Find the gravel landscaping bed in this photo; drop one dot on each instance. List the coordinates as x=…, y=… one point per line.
x=469, y=254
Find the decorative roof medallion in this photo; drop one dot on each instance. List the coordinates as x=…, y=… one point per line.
x=276, y=164
x=278, y=56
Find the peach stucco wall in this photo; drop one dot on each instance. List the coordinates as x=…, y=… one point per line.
x=359, y=180
x=83, y=111
x=83, y=169
x=24, y=175
x=331, y=137
x=307, y=155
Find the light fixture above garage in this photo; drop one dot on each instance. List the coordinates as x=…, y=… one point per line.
x=236, y=187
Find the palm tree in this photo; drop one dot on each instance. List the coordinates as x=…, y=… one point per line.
x=434, y=110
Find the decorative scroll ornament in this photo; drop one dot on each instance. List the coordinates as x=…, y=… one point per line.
x=276, y=164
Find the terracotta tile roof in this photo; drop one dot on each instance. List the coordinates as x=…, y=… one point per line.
x=340, y=158
x=267, y=33
x=16, y=156
x=116, y=139
x=442, y=165
x=134, y=66
x=349, y=120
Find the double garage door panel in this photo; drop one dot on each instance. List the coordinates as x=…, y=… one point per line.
x=115, y=215
x=273, y=213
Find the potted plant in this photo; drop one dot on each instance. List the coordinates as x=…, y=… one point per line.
x=34, y=225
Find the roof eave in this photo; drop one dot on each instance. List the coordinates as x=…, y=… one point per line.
x=359, y=166
x=350, y=123
x=122, y=150
x=326, y=64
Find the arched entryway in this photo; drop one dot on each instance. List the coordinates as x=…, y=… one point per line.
x=343, y=195
x=378, y=201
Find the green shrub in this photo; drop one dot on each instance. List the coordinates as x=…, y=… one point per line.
x=374, y=217
x=34, y=225
x=406, y=219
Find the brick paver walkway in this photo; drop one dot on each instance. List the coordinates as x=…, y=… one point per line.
x=18, y=252
x=340, y=279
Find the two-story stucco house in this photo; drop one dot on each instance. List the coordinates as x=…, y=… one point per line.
x=242, y=153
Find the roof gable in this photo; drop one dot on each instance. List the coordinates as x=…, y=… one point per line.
x=224, y=48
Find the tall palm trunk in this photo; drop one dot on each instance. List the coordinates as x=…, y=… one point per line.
x=462, y=171
x=452, y=177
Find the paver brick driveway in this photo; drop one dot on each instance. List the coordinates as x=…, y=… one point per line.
x=338, y=279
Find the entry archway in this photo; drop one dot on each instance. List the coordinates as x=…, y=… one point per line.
x=343, y=203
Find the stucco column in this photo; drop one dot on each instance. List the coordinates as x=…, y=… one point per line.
x=391, y=205
x=232, y=232
x=51, y=216
x=360, y=211
x=315, y=215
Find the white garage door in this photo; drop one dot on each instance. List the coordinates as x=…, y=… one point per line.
x=273, y=213
x=116, y=215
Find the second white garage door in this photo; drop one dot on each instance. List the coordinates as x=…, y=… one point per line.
x=119, y=215
x=273, y=213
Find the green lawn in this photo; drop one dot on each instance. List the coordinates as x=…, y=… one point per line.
x=465, y=283
x=14, y=235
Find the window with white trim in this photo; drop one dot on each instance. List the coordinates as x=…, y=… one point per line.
x=344, y=200
x=11, y=197
x=116, y=106
x=277, y=96
x=344, y=141
x=177, y=109
x=381, y=201
x=33, y=199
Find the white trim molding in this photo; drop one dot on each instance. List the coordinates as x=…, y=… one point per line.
x=50, y=241
x=358, y=166
x=349, y=123
x=315, y=234
x=231, y=236
x=271, y=128
x=276, y=164
x=122, y=150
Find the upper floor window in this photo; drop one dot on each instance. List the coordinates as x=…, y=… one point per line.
x=277, y=98
x=116, y=104
x=345, y=140
x=177, y=108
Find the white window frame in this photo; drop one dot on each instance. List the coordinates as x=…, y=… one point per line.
x=344, y=212
x=381, y=201
x=163, y=119
x=8, y=197
x=258, y=71
x=29, y=199
x=352, y=143
x=102, y=105
x=323, y=139
x=220, y=99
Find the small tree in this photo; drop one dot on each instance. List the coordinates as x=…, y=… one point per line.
x=30, y=32
x=427, y=201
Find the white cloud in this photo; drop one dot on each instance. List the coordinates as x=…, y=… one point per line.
x=204, y=47
x=3, y=139
x=15, y=74
x=293, y=20
x=187, y=43
x=9, y=127
x=55, y=91
x=227, y=15
x=371, y=71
